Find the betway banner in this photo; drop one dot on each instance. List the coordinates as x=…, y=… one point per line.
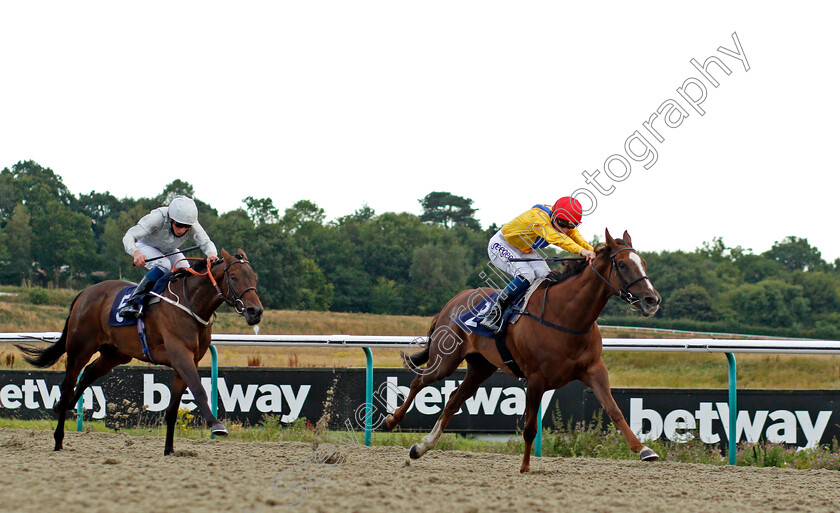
x=139, y=395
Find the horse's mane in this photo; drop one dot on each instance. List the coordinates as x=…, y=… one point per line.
x=574, y=267
x=199, y=265
x=570, y=268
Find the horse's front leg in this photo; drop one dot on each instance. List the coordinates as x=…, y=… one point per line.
x=598, y=380
x=533, y=396
x=183, y=362
x=178, y=387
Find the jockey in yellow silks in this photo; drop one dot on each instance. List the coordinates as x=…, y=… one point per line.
x=534, y=229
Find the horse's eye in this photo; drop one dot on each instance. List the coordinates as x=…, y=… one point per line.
x=232, y=278
x=622, y=265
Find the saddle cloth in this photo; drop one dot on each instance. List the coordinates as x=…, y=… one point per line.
x=471, y=320
x=114, y=317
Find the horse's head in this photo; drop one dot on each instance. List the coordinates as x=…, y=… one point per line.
x=239, y=286
x=630, y=275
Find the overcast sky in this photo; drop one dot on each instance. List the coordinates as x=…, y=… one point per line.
x=346, y=103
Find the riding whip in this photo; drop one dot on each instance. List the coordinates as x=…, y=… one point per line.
x=173, y=253
x=549, y=259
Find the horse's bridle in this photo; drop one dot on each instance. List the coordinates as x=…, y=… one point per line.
x=622, y=293
x=236, y=302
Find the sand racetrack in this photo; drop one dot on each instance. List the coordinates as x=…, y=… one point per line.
x=100, y=472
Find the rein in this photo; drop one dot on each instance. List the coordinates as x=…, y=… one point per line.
x=235, y=301
x=622, y=293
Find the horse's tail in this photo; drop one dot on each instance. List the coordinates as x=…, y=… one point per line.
x=417, y=359
x=43, y=357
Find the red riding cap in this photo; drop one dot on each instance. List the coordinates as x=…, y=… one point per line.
x=567, y=208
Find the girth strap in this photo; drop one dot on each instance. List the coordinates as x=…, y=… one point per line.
x=144, y=344
x=504, y=352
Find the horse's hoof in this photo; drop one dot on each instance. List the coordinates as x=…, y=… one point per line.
x=219, y=430
x=167, y=452
x=647, y=454
x=388, y=425
x=524, y=469
x=413, y=452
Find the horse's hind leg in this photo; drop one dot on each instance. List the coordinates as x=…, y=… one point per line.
x=478, y=370
x=598, y=380
x=75, y=361
x=109, y=357
x=178, y=387
x=443, y=368
x=417, y=384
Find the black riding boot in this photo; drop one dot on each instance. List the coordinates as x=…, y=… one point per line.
x=132, y=306
x=493, y=320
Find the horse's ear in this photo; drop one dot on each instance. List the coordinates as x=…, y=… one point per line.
x=225, y=255
x=241, y=252
x=608, y=238
x=627, y=239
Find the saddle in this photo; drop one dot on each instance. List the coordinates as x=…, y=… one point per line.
x=471, y=322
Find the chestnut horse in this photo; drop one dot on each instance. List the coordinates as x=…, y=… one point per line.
x=556, y=342
x=178, y=330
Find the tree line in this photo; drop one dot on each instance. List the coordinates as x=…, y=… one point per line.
x=395, y=263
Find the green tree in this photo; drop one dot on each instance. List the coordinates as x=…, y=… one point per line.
x=448, y=210
x=114, y=260
x=718, y=251
x=63, y=238
x=301, y=214
x=691, y=302
x=261, y=211
x=4, y=246
x=437, y=274
x=31, y=184
x=99, y=207
x=821, y=289
x=386, y=297
x=673, y=270
x=315, y=292
x=234, y=229
x=796, y=254
x=770, y=303
x=335, y=249
x=278, y=262
x=387, y=243
x=755, y=268
x=175, y=188
x=19, y=245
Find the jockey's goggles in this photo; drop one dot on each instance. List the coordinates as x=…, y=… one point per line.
x=181, y=225
x=567, y=224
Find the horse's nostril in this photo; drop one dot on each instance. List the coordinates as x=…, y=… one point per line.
x=652, y=300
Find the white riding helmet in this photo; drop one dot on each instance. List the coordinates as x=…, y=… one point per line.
x=182, y=210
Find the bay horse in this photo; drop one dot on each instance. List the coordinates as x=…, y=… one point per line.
x=178, y=331
x=556, y=342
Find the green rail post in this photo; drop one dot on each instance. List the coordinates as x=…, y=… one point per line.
x=733, y=409
x=80, y=423
x=538, y=441
x=214, y=382
x=368, y=394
